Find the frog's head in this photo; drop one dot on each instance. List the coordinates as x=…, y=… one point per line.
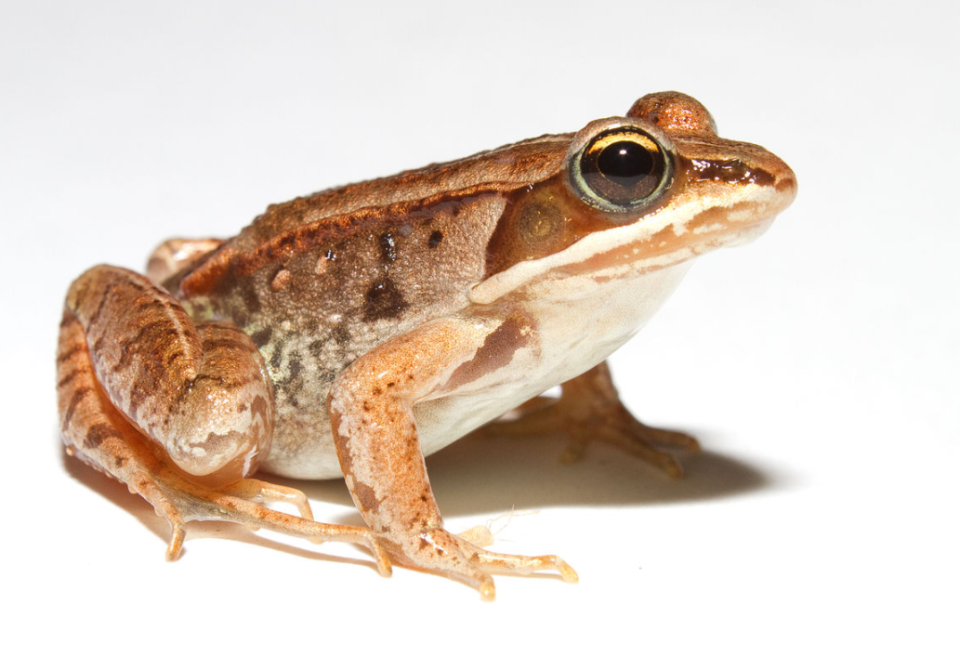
x=637, y=194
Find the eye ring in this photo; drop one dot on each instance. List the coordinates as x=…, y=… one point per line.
x=621, y=169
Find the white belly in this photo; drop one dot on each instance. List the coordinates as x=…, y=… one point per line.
x=573, y=336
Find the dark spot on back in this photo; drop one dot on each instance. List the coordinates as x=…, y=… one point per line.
x=435, y=238
x=341, y=335
x=275, y=359
x=250, y=299
x=288, y=241
x=388, y=248
x=261, y=337
x=383, y=301
x=295, y=368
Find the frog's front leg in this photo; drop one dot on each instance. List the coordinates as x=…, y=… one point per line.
x=180, y=413
x=371, y=409
x=588, y=409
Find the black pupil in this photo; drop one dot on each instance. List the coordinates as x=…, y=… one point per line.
x=625, y=162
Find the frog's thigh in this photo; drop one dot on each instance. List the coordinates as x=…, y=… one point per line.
x=107, y=382
x=199, y=392
x=371, y=408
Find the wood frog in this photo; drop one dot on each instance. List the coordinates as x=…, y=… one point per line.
x=350, y=332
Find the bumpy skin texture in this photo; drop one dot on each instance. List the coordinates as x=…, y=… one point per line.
x=349, y=332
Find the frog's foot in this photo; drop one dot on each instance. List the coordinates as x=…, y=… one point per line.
x=238, y=502
x=179, y=500
x=440, y=552
x=590, y=409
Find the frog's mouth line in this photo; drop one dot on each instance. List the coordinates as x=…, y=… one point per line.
x=668, y=238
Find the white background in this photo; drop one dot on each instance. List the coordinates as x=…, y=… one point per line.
x=818, y=365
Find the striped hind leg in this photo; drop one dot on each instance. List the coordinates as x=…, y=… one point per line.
x=99, y=394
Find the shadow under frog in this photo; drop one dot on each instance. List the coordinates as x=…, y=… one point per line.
x=461, y=474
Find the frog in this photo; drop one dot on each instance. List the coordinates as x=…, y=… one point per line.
x=352, y=332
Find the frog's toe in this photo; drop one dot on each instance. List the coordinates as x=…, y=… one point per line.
x=177, y=533
x=626, y=432
x=140, y=482
x=440, y=552
x=612, y=423
x=513, y=564
x=256, y=490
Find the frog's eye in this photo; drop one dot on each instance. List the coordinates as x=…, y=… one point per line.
x=620, y=169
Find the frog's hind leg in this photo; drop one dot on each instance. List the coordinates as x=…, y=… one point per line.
x=588, y=409
x=97, y=431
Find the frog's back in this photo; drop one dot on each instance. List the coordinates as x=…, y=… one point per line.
x=500, y=169
x=408, y=232
x=320, y=280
